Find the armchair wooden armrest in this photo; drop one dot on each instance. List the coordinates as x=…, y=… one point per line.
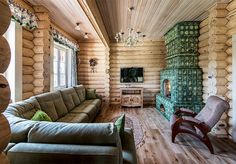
x=200, y=125
x=185, y=111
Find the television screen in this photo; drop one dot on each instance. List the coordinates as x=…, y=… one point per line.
x=131, y=75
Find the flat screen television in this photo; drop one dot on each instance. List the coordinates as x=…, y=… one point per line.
x=131, y=75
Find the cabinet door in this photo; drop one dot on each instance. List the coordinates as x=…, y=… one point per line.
x=125, y=100
x=136, y=100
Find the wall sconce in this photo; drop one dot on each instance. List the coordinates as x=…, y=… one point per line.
x=92, y=63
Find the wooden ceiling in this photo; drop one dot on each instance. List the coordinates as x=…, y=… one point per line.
x=152, y=17
x=65, y=14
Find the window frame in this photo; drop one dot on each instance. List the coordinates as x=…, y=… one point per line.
x=68, y=66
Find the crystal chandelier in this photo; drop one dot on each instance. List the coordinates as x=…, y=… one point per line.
x=132, y=38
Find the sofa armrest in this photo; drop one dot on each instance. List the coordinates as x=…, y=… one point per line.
x=128, y=147
x=74, y=133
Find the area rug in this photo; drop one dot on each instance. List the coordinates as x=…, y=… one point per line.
x=133, y=123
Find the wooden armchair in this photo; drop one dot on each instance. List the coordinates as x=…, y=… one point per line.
x=199, y=125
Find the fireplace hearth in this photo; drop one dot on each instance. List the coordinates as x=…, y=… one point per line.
x=181, y=80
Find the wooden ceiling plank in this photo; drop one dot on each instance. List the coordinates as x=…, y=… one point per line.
x=91, y=10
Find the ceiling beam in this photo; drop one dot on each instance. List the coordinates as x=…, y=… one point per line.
x=91, y=10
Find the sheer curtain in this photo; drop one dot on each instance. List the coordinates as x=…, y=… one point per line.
x=74, y=68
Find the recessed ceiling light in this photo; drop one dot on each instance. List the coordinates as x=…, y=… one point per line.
x=77, y=27
x=86, y=36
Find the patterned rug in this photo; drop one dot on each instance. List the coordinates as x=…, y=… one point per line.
x=133, y=123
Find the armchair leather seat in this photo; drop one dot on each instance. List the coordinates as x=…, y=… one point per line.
x=199, y=125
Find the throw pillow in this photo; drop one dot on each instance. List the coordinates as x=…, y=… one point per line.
x=91, y=94
x=120, y=125
x=41, y=116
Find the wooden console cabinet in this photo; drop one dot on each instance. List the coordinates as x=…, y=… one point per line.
x=131, y=97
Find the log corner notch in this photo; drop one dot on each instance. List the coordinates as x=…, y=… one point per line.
x=90, y=8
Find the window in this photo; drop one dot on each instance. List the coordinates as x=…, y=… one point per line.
x=61, y=66
x=14, y=71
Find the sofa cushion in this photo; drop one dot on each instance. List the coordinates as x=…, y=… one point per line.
x=73, y=133
x=80, y=90
x=41, y=116
x=24, y=109
x=96, y=102
x=53, y=104
x=70, y=97
x=90, y=94
x=89, y=109
x=120, y=124
x=74, y=118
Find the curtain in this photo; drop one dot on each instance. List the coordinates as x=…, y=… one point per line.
x=74, y=68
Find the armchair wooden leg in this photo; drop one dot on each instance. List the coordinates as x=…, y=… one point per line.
x=174, y=134
x=207, y=142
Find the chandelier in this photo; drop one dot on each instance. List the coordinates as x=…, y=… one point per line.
x=132, y=38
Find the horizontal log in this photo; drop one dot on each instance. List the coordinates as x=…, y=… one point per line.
x=218, y=22
x=28, y=44
x=27, y=35
x=219, y=56
x=229, y=41
x=43, y=24
x=203, y=43
x=27, y=95
x=218, y=30
x=229, y=68
x=204, y=30
x=204, y=36
x=43, y=16
x=231, y=32
x=218, y=38
x=229, y=77
x=28, y=61
x=203, y=50
x=41, y=41
x=41, y=49
x=39, y=57
x=27, y=79
x=27, y=52
x=41, y=33
x=231, y=23
x=231, y=6
x=229, y=51
x=28, y=70
x=229, y=59
x=28, y=88
x=217, y=47
x=38, y=90
x=222, y=13
x=217, y=64
x=204, y=22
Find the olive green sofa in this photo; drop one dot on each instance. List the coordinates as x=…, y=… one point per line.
x=71, y=137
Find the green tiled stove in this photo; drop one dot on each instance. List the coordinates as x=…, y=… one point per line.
x=181, y=80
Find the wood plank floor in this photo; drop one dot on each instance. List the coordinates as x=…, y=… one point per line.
x=157, y=146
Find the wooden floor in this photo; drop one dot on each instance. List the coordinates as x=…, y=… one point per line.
x=157, y=146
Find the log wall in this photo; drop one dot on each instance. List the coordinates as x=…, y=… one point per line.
x=28, y=62
x=98, y=78
x=149, y=55
x=231, y=25
x=42, y=52
x=212, y=59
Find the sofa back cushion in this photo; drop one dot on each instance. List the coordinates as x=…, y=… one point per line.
x=80, y=90
x=52, y=104
x=70, y=97
x=73, y=133
x=24, y=109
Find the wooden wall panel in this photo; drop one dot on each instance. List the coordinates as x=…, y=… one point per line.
x=86, y=77
x=28, y=63
x=231, y=25
x=149, y=55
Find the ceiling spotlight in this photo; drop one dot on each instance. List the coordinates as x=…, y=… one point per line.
x=131, y=8
x=77, y=27
x=86, y=36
